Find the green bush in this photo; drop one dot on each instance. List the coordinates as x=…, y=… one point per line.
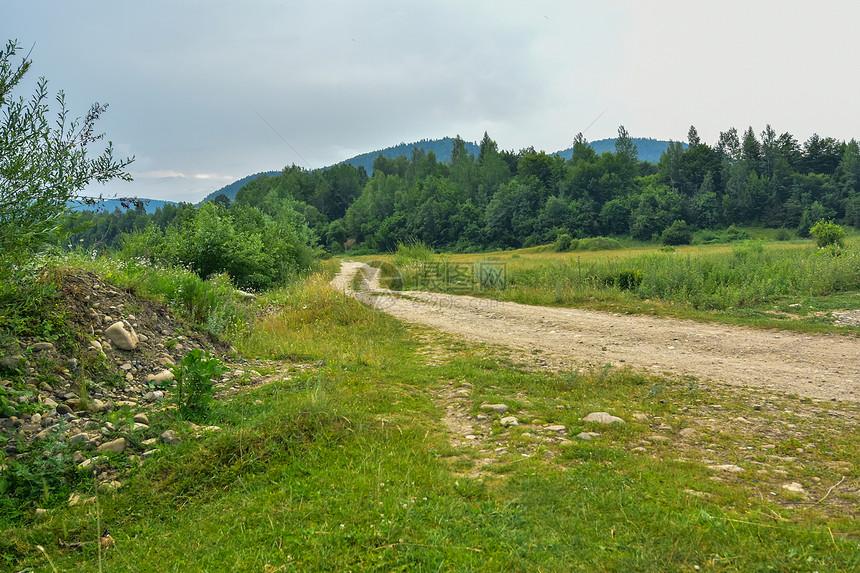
x=193, y=378
x=828, y=233
x=562, y=242
x=678, y=233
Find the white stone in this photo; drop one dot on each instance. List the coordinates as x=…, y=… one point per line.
x=122, y=335
x=602, y=418
x=500, y=408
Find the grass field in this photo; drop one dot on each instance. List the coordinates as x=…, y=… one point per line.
x=345, y=465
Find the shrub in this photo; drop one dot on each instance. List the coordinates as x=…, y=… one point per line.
x=678, y=233
x=194, y=382
x=828, y=233
x=562, y=242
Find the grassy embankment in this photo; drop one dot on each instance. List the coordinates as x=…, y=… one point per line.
x=790, y=285
x=346, y=467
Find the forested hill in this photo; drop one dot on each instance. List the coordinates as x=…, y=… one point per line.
x=233, y=188
x=649, y=149
x=495, y=198
x=441, y=147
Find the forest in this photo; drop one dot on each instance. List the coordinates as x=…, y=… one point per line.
x=499, y=199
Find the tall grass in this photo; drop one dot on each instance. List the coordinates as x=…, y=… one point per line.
x=749, y=275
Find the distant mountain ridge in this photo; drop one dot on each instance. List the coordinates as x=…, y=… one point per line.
x=649, y=150
x=109, y=205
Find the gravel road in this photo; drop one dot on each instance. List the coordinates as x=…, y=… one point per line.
x=817, y=366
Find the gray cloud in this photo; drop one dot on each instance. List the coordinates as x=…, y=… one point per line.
x=188, y=82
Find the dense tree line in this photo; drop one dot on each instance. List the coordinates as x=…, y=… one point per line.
x=501, y=199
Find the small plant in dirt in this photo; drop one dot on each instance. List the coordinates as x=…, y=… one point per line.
x=193, y=376
x=828, y=233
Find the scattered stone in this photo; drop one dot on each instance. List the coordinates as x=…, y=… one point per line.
x=639, y=450
x=141, y=418
x=170, y=437
x=78, y=439
x=794, y=487
x=639, y=417
x=557, y=428
x=122, y=335
x=63, y=409
x=730, y=468
x=602, y=418
x=149, y=442
x=148, y=454
x=741, y=420
x=499, y=408
x=153, y=396
x=509, y=421
x=40, y=512
x=687, y=433
x=13, y=362
x=658, y=438
x=587, y=436
x=116, y=446
x=163, y=376
x=41, y=346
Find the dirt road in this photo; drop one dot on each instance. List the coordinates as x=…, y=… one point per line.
x=825, y=367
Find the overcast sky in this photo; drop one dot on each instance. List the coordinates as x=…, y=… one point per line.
x=205, y=92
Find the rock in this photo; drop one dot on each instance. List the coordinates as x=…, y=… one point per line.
x=639, y=450
x=509, y=421
x=794, y=487
x=148, y=454
x=141, y=418
x=126, y=367
x=587, y=436
x=96, y=405
x=741, y=420
x=72, y=363
x=78, y=439
x=122, y=335
x=687, y=433
x=498, y=408
x=557, y=428
x=45, y=433
x=63, y=409
x=153, y=396
x=170, y=437
x=731, y=468
x=657, y=438
x=40, y=346
x=602, y=418
x=116, y=446
x=163, y=376
x=139, y=427
x=78, y=457
x=36, y=419
x=149, y=442
x=40, y=512
x=13, y=362
x=639, y=417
